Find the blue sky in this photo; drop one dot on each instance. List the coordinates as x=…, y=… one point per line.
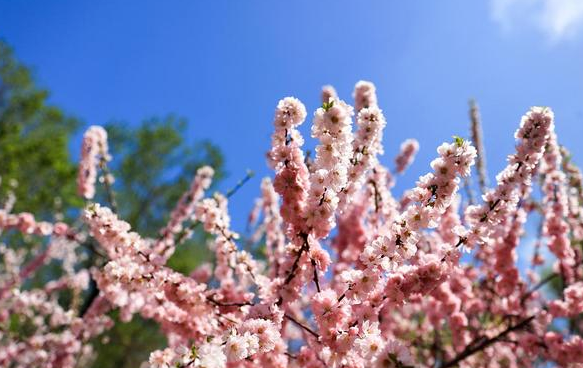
x=225, y=64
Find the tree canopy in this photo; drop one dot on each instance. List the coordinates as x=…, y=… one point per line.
x=153, y=164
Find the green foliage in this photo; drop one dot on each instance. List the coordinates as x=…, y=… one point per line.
x=20, y=324
x=327, y=105
x=152, y=164
x=34, y=139
x=459, y=141
x=128, y=343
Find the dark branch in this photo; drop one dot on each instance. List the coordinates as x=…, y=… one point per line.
x=537, y=286
x=473, y=348
x=240, y=183
x=306, y=328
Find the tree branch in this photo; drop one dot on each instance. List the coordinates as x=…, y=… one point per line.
x=306, y=328
x=472, y=348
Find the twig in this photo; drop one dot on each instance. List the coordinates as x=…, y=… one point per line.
x=469, y=350
x=93, y=294
x=295, y=265
x=316, y=281
x=290, y=355
x=306, y=328
x=377, y=195
x=221, y=304
x=476, y=129
x=93, y=290
x=537, y=286
x=240, y=183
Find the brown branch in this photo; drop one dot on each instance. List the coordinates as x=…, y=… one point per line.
x=306, y=328
x=221, y=304
x=473, y=348
x=377, y=195
x=537, y=286
x=292, y=272
x=316, y=281
x=476, y=130
x=290, y=355
x=248, y=175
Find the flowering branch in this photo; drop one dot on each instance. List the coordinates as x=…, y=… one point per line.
x=351, y=277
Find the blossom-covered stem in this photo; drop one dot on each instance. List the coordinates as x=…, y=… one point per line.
x=504, y=252
x=386, y=208
x=287, y=158
x=365, y=95
x=95, y=147
x=94, y=154
x=536, y=259
x=431, y=198
x=292, y=272
x=500, y=203
x=271, y=226
x=376, y=195
x=409, y=149
x=332, y=126
x=212, y=213
x=367, y=142
x=555, y=209
x=25, y=272
x=183, y=212
x=104, y=157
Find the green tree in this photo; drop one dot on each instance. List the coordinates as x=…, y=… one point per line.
x=34, y=139
x=153, y=167
x=152, y=164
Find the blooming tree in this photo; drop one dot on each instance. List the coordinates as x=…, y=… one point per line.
x=352, y=276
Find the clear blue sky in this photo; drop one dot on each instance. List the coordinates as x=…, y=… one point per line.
x=225, y=64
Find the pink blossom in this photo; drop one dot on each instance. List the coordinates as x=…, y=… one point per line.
x=94, y=150
x=409, y=149
x=350, y=276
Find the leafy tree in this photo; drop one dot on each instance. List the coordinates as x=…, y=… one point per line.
x=152, y=164
x=34, y=140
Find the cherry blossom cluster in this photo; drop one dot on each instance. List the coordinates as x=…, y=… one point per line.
x=409, y=149
x=36, y=330
x=332, y=126
x=93, y=153
x=27, y=224
x=367, y=142
x=501, y=202
x=555, y=209
x=184, y=210
x=338, y=269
